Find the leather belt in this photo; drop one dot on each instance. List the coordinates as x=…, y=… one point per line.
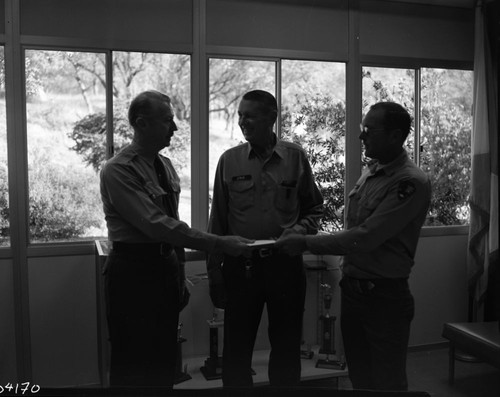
x=365, y=286
x=146, y=249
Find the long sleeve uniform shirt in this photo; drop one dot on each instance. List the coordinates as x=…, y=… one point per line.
x=259, y=199
x=385, y=213
x=134, y=205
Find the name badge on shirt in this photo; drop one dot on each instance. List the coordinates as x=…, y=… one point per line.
x=242, y=178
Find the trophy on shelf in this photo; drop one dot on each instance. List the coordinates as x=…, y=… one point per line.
x=327, y=327
x=213, y=364
x=181, y=374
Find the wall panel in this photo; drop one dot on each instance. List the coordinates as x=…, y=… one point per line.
x=109, y=20
x=317, y=26
x=439, y=285
x=416, y=31
x=62, y=295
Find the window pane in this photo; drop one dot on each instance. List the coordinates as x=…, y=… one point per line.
x=313, y=115
x=229, y=80
x=4, y=187
x=134, y=72
x=65, y=96
x=446, y=123
x=390, y=85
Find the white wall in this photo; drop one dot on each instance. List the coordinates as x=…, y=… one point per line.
x=439, y=285
x=63, y=319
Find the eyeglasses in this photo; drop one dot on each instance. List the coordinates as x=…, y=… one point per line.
x=368, y=131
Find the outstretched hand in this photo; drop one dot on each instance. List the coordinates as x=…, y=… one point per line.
x=235, y=246
x=291, y=244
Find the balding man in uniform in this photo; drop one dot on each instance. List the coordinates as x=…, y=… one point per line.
x=144, y=280
x=385, y=213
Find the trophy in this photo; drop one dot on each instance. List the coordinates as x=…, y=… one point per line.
x=213, y=364
x=181, y=374
x=327, y=326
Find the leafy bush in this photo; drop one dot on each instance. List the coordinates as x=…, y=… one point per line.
x=319, y=127
x=62, y=203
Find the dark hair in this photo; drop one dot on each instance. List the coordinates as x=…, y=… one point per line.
x=145, y=104
x=395, y=117
x=266, y=100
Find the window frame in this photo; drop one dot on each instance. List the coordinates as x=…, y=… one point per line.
x=199, y=122
x=417, y=65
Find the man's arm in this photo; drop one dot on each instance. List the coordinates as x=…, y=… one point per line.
x=125, y=192
x=391, y=216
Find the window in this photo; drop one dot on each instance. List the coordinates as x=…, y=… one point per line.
x=446, y=127
x=64, y=93
x=441, y=144
x=66, y=124
x=4, y=180
x=313, y=115
x=394, y=85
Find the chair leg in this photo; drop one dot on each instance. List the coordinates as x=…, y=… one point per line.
x=451, y=364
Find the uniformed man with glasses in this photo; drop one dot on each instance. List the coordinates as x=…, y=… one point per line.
x=385, y=212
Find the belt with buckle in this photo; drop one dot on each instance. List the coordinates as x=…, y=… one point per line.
x=146, y=249
x=265, y=252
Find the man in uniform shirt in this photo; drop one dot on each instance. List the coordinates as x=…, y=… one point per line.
x=385, y=213
x=263, y=189
x=144, y=276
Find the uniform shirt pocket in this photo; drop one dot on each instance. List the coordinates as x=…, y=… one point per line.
x=367, y=205
x=287, y=196
x=155, y=192
x=241, y=193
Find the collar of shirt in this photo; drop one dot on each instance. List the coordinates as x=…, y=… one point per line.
x=278, y=149
x=389, y=168
x=135, y=148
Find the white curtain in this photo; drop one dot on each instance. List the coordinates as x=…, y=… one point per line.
x=483, y=235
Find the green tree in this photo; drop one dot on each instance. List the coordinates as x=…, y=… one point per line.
x=318, y=125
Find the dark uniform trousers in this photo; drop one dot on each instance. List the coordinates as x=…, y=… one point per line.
x=142, y=297
x=375, y=323
x=279, y=282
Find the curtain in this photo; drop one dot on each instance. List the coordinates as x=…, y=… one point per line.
x=482, y=261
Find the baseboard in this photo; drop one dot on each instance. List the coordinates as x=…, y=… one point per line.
x=428, y=346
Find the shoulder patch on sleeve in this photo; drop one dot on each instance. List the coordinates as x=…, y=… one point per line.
x=405, y=189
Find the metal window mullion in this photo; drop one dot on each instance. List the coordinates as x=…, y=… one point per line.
x=18, y=185
x=278, y=76
x=417, y=112
x=199, y=119
x=354, y=98
x=109, y=106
